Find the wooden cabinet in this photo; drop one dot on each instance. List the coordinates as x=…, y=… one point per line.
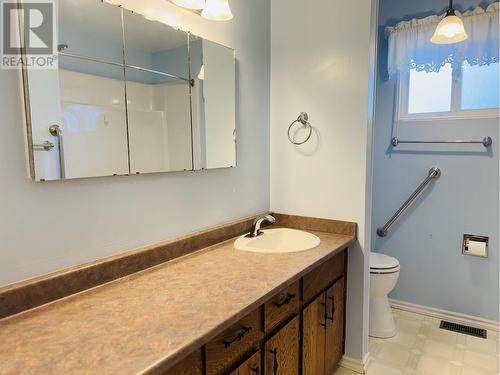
x=318, y=331
x=335, y=307
x=250, y=366
x=322, y=277
x=231, y=347
x=323, y=331
x=192, y=365
x=281, y=352
x=314, y=339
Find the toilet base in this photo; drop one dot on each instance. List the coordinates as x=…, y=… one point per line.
x=381, y=319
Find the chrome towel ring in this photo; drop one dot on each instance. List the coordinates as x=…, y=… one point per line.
x=304, y=120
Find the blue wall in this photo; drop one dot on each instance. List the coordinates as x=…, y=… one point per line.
x=427, y=240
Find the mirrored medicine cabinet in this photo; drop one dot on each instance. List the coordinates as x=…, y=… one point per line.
x=130, y=96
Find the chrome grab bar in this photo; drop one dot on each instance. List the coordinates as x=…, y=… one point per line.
x=56, y=131
x=434, y=174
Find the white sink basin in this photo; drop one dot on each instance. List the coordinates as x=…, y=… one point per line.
x=281, y=240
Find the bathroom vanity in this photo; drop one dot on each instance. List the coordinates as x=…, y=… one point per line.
x=301, y=326
x=214, y=311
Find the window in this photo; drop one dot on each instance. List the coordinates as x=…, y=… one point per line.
x=472, y=91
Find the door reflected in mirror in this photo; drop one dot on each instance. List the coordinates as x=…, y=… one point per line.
x=213, y=104
x=85, y=97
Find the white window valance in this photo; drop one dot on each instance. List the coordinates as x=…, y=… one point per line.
x=410, y=46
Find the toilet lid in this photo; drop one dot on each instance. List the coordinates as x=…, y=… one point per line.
x=382, y=262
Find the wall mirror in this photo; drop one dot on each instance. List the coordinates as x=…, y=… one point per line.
x=158, y=96
x=130, y=96
x=213, y=103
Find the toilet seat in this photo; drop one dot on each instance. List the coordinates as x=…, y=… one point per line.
x=382, y=264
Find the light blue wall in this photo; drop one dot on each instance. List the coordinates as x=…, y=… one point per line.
x=99, y=217
x=427, y=241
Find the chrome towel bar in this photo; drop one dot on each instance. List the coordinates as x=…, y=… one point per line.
x=434, y=174
x=486, y=142
x=120, y=65
x=44, y=146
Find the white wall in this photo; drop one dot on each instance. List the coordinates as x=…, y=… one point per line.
x=94, y=126
x=320, y=63
x=48, y=226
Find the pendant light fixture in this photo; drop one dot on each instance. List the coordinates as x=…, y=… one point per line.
x=190, y=4
x=450, y=30
x=217, y=10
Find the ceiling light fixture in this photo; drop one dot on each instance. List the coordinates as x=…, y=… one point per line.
x=114, y=2
x=150, y=14
x=217, y=10
x=450, y=30
x=190, y=4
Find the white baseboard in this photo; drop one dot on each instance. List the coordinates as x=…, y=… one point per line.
x=454, y=317
x=359, y=367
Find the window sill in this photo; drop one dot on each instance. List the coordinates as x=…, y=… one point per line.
x=466, y=115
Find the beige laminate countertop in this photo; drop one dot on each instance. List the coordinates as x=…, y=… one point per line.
x=153, y=318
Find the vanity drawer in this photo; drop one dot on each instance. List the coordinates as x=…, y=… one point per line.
x=231, y=347
x=322, y=277
x=281, y=307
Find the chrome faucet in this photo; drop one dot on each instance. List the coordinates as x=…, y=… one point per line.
x=255, y=231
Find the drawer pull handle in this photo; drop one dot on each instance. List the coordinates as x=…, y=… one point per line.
x=286, y=301
x=256, y=370
x=274, y=352
x=333, y=309
x=239, y=336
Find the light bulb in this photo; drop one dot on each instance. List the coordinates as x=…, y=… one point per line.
x=217, y=10
x=190, y=4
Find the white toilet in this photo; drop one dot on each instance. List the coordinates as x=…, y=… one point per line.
x=384, y=274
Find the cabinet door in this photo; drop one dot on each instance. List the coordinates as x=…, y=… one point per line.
x=282, y=351
x=313, y=344
x=250, y=367
x=335, y=303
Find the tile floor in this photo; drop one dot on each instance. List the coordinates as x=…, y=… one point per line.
x=422, y=348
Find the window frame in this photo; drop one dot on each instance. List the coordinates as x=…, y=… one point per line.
x=403, y=94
